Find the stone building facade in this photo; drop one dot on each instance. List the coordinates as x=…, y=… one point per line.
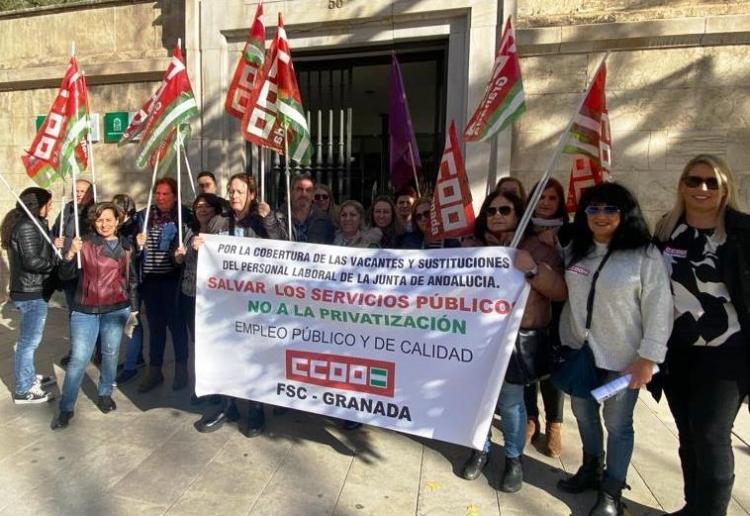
x=677, y=76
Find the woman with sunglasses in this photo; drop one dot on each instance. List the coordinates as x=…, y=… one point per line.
x=323, y=202
x=419, y=237
x=706, y=243
x=383, y=216
x=550, y=224
x=540, y=263
x=627, y=330
x=205, y=207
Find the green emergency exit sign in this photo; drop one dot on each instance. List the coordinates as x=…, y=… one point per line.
x=115, y=124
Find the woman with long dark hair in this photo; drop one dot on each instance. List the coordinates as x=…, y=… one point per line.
x=383, y=216
x=705, y=240
x=540, y=263
x=550, y=224
x=105, y=297
x=627, y=329
x=32, y=282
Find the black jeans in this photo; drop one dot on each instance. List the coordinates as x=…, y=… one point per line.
x=705, y=389
x=552, y=397
x=161, y=297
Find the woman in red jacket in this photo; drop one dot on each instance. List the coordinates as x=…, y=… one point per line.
x=106, y=296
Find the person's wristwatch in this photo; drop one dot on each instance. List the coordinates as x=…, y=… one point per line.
x=531, y=273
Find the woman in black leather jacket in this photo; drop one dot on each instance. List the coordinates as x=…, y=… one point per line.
x=32, y=282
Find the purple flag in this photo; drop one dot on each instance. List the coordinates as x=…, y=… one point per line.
x=404, y=154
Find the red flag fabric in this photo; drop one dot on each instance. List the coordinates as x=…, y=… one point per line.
x=250, y=62
x=276, y=103
x=452, y=212
x=590, y=140
x=504, y=98
x=60, y=143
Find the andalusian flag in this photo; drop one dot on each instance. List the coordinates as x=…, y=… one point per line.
x=157, y=121
x=59, y=146
x=590, y=140
x=504, y=99
x=275, y=105
x=247, y=68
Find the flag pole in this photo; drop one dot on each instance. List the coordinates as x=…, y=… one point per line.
x=189, y=170
x=288, y=183
x=90, y=145
x=178, y=144
x=62, y=209
x=151, y=194
x=32, y=217
x=531, y=205
x=262, y=173
x=414, y=170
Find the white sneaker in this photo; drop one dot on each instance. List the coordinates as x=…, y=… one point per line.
x=34, y=395
x=45, y=381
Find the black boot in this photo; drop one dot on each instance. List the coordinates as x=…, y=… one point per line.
x=256, y=420
x=62, y=420
x=609, y=502
x=512, y=476
x=476, y=463
x=214, y=421
x=589, y=476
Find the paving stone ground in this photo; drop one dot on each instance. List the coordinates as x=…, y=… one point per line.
x=146, y=459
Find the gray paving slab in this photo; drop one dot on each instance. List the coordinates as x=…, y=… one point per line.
x=146, y=459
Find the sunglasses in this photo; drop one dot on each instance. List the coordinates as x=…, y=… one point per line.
x=321, y=197
x=601, y=210
x=696, y=181
x=502, y=210
x=422, y=215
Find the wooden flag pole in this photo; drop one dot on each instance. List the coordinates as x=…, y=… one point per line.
x=151, y=194
x=288, y=183
x=178, y=144
x=531, y=206
x=414, y=170
x=25, y=208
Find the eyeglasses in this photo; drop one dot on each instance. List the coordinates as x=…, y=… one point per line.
x=502, y=210
x=593, y=209
x=321, y=197
x=422, y=215
x=696, y=181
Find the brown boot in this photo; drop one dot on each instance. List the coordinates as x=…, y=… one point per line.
x=152, y=378
x=553, y=444
x=180, y=377
x=532, y=429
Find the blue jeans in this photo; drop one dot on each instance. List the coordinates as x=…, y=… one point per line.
x=618, y=418
x=84, y=329
x=33, y=318
x=513, y=415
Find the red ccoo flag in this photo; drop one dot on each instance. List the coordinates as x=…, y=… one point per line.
x=247, y=68
x=451, y=213
x=590, y=140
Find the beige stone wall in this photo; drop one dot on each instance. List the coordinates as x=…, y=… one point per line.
x=123, y=46
x=669, y=99
x=545, y=13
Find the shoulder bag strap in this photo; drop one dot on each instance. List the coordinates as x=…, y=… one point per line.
x=592, y=291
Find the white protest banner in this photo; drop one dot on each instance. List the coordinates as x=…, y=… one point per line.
x=414, y=341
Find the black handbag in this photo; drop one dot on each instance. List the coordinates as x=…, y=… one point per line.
x=577, y=374
x=530, y=358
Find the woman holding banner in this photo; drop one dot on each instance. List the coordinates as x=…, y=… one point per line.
x=706, y=243
x=32, y=282
x=245, y=218
x=540, y=263
x=619, y=314
x=205, y=207
x=105, y=297
x=351, y=223
x=550, y=224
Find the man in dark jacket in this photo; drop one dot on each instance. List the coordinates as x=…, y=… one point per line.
x=308, y=224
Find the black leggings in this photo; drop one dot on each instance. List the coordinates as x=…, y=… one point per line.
x=705, y=393
x=552, y=397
